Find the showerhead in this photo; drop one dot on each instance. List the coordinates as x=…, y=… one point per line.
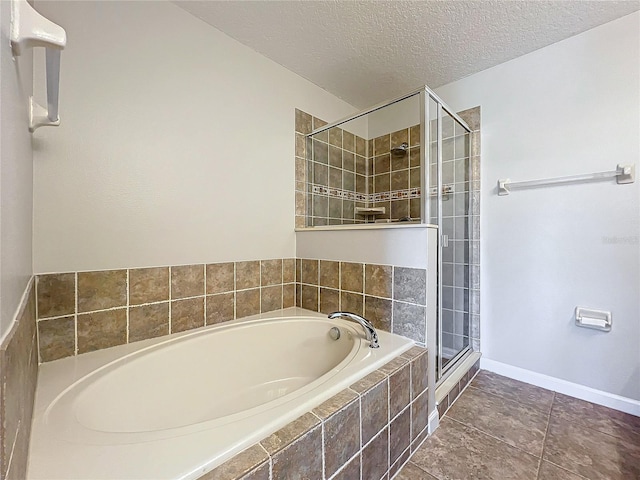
x=400, y=150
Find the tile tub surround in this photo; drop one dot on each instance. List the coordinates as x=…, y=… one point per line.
x=18, y=372
x=503, y=428
x=367, y=431
x=393, y=298
x=79, y=312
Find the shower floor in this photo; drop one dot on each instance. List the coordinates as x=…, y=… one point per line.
x=504, y=429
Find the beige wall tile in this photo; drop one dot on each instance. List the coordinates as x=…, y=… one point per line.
x=351, y=302
x=351, y=276
x=187, y=314
x=271, y=273
x=414, y=135
x=310, y=271
x=148, y=321
x=271, y=298
x=329, y=274
x=399, y=137
x=361, y=146
x=187, y=281
x=247, y=302
x=378, y=311
x=220, y=308
x=220, y=277
x=303, y=122
x=102, y=330
x=288, y=295
x=247, y=274
x=378, y=280
x=288, y=270
x=57, y=338
x=147, y=285
x=101, y=290
x=348, y=141
x=410, y=285
x=310, y=297
x=381, y=144
x=329, y=300
x=56, y=294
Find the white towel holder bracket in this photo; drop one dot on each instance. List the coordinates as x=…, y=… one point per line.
x=29, y=29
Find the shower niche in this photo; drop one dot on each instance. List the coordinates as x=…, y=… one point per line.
x=406, y=161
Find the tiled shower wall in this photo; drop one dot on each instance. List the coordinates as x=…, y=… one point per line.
x=19, y=373
x=393, y=298
x=80, y=312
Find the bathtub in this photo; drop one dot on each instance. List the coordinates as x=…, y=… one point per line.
x=176, y=407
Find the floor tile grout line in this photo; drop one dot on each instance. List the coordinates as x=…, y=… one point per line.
x=510, y=400
x=493, y=436
x=567, y=470
x=544, y=439
x=425, y=470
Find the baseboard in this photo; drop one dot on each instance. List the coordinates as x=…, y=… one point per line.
x=434, y=421
x=576, y=390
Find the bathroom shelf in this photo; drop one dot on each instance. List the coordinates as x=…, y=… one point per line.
x=29, y=29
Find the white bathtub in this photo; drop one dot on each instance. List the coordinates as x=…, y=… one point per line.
x=178, y=406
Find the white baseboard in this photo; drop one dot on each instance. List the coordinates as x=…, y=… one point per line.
x=576, y=390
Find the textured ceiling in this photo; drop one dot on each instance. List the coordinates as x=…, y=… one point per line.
x=368, y=51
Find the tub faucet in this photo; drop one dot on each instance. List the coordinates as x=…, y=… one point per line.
x=371, y=333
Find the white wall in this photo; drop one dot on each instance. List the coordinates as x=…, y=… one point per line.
x=16, y=170
x=570, y=108
x=176, y=144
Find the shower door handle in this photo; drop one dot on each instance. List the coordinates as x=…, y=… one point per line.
x=445, y=241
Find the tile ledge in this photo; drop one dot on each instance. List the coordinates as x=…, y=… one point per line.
x=445, y=387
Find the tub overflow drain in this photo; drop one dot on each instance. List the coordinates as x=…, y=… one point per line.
x=334, y=333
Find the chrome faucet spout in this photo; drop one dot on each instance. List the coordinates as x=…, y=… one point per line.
x=369, y=330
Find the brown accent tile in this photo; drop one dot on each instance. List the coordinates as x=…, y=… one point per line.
x=382, y=183
x=335, y=136
x=335, y=156
x=381, y=144
x=419, y=374
x=147, y=285
x=320, y=154
x=443, y=406
x=247, y=302
x=148, y=321
x=399, y=208
x=220, y=277
x=239, y=465
x=400, y=180
x=375, y=410
x=247, y=274
x=300, y=459
x=310, y=297
x=260, y=473
x=410, y=285
x=375, y=456
x=509, y=421
x=329, y=300
x=57, y=338
x=102, y=290
x=549, y=471
x=361, y=165
x=597, y=417
x=361, y=146
x=289, y=295
x=590, y=453
x=351, y=470
x=290, y=433
x=100, y=330
x=400, y=137
x=187, y=314
x=393, y=365
x=378, y=311
x=399, y=390
x=348, y=141
x=368, y=382
x=56, y=294
x=341, y=436
x=413, y=472
x=187, y=281
x=399, y=434
x=414, y=157
x=382, y=164
x=419, y=415
x=395, y=467
x=413, y=352
x=336, y=403
x=329, y=274
x=271, y=273
x=220, y=308
x=472, y=117
x=453, y=394
x=288, y=270
x=303, y=122
x=534, y=397
x=378, y=280
x=309, y=271
x=351, y=302
x=301, y=143
x=414, y=178
x=351, y=276
x=271, y=298
x=409, y=321
x=414, y=135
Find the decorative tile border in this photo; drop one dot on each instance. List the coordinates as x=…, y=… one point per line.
x=367, y=431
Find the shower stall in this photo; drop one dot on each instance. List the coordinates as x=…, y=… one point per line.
x=408, y=160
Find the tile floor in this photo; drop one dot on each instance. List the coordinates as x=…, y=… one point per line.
x=504, y=429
